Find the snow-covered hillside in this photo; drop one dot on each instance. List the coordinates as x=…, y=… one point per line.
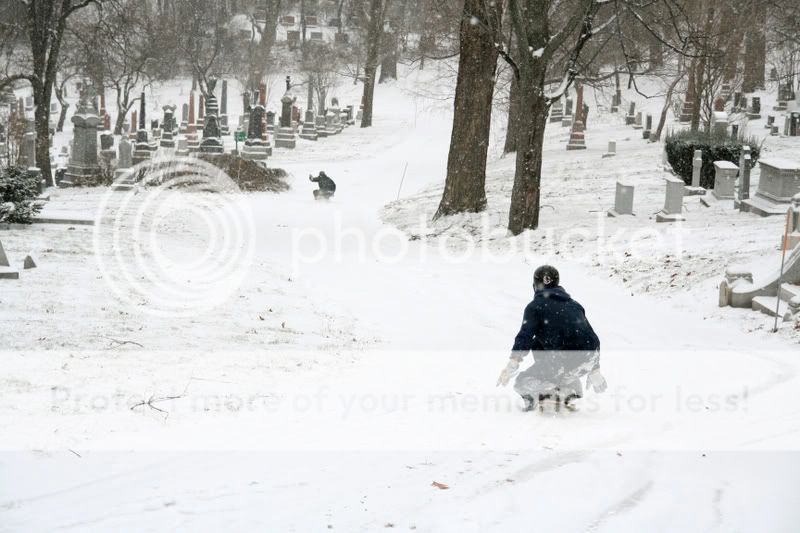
x=348, y=383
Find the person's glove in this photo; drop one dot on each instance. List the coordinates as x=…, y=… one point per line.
x=508, y=372
x=596, y=381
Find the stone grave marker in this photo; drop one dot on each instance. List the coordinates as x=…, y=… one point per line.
x=623, y=200
x=673, y=201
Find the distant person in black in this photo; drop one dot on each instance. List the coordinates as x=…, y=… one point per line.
x=326, y=186
x=565, y=347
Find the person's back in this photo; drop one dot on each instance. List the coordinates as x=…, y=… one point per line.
x=565, y=347
x=558, y=323
x=326, y=185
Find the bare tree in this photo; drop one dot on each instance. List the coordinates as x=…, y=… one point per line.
x=464, y=188
x=124, y=44
x=374, y=18
x=44, y=23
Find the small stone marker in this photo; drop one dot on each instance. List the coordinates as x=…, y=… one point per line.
x=648, y=126
x=673, y=202
x=623, y=201
x=637, y=125
x=28, y=263
x=6, y=272
x=744, y=180
x=612, y=149
x=697, y=167
x=3, y=257
x=724, y=180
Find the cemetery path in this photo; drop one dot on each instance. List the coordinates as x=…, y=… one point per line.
x=309, y=436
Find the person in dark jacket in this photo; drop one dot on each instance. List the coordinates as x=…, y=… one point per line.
x=564, y=345
x=326, y=186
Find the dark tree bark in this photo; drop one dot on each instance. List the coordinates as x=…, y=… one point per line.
x=524, y=212
x=374, y=32
x=535, y=47
x=469, y=141
x=46, y=22
x=699, y=73
x=514, y=117
x=755, y=55
x=389, y=59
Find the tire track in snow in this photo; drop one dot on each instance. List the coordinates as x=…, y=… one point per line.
x=624, y=505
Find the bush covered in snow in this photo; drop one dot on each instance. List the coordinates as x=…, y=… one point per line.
x=250, y=175
x=18, y=192
x=681, y=145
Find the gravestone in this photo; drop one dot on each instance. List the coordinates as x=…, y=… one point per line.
x=557, y=111
x=779, y=182
x=285, y=137
x=212, y=142
x=754, y=113
x=184, y=117
x=270, y=123
x=623, y=201
x=183, y=147
x=724, y=180
x=255, y=146
x=648, y=127
x=793, y=238
x=720, y=123
x=734, y=131
x=124, y=160
x=744, y=180
x=223, y=110
x=697, y=167
x=142, y=148
x=770, y=122
x=673, y=202
x=350, y=117
x=322, y=132
x=170, y=127
x=337, y=116
x=107, y=152
x=616, y=101
x=6, y=272
x=309, y=131
x=330, y=127
x=83, y=161
x=28, y=263
x=27, y=151
x=612, y=149
x=568, y=111
x=630, y=118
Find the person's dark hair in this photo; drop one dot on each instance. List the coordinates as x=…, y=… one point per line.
x=546, y=276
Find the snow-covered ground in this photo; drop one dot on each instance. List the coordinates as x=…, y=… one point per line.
x=355, y=363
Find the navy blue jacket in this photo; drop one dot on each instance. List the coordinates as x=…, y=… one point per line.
x=554, y=321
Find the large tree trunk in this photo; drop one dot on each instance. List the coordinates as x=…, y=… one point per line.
x=514, y=117
x=472, y=115
x=524, y=212
x=389, y=60
x=42, y=124
x=755, y=50
x=371, y=67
